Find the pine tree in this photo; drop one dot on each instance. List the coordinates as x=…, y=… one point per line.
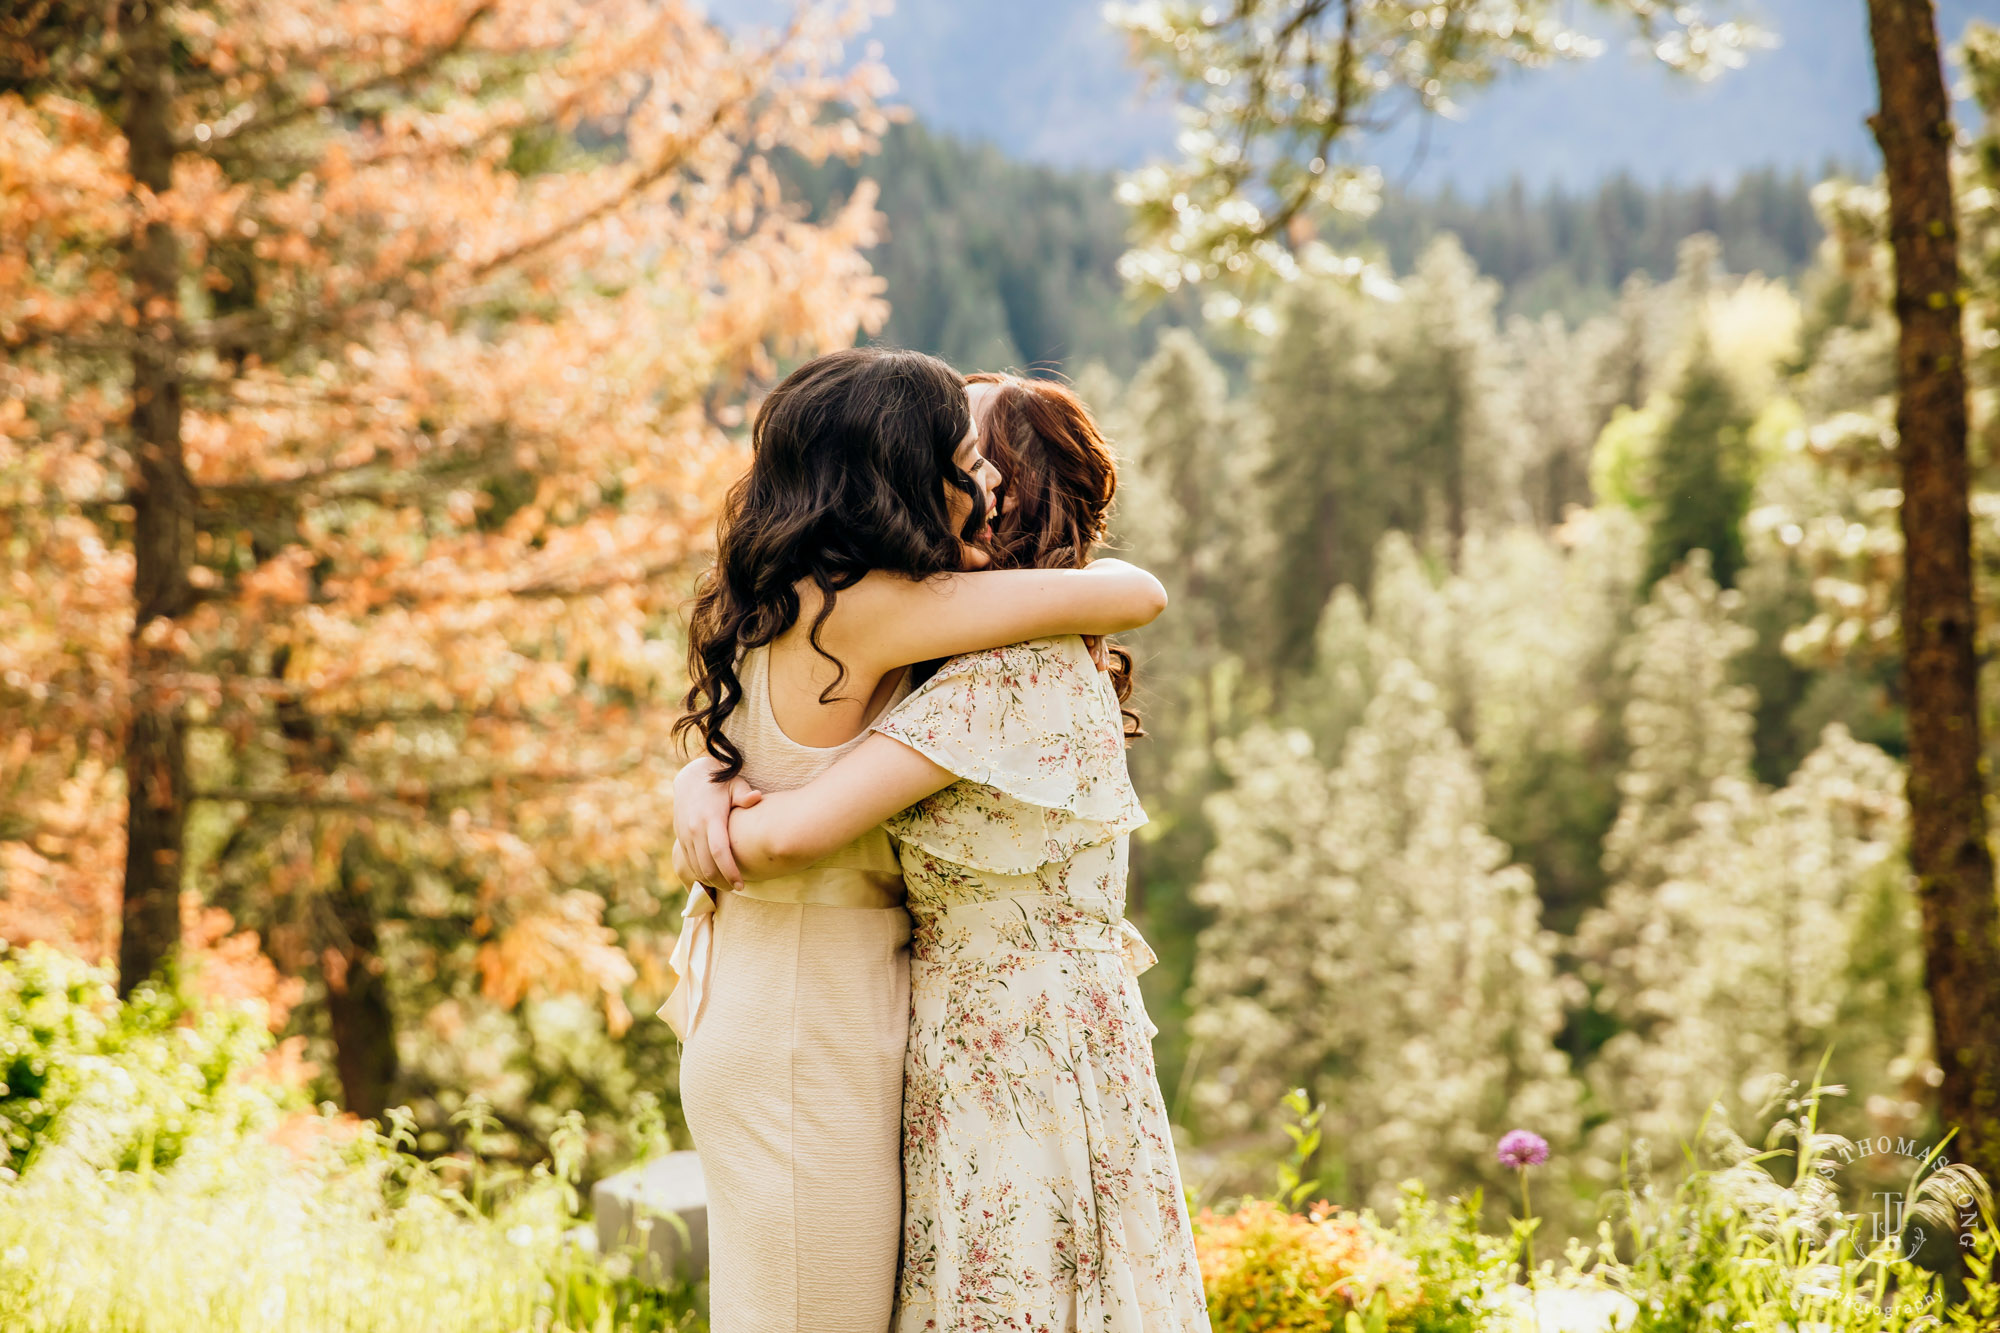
x=1546, y=405
x=992, y=263
x=1371, y=944
x=1699, y=481
x=1520, y=645
x=1181, y=503
x=1687, y=725
x=1722, y=950
x=1330, y=479
x=366, y=384
x=1745, y=960
x=1348, y=655
x=1190, y=453
x=1445, y=368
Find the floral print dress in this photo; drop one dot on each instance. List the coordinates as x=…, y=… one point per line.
x=1040, y=1187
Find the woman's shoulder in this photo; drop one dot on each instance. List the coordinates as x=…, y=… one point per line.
x=1058, y=658
x=1035, y=719
x=1034, y=692
x=1034, y=731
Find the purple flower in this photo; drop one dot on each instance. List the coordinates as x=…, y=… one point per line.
x=1520, y=1147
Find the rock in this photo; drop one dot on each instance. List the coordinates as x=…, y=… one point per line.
x=659, y=1210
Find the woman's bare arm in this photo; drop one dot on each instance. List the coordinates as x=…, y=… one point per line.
x=701, y=822
x=790, y=830
x=885, y=621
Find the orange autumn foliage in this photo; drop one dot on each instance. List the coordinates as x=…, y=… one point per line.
x=472, y=295
x=228, y=966
x=1269, y=1270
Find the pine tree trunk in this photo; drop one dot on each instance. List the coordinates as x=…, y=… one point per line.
x=357, y=1003
x=163, y=525
x=1948, y=846
x=359, y=1015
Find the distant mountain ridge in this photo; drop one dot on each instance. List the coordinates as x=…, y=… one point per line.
x=1047, y=81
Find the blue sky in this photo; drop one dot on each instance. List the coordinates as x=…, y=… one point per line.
x=1047, y=80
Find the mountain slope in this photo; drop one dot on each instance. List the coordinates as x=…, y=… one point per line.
x=1047, y=81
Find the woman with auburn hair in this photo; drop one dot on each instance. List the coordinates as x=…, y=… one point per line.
x=837, y=567
x=1040, y=1186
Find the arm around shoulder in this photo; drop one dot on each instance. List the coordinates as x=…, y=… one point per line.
x=890, y=622
x=1144, y=597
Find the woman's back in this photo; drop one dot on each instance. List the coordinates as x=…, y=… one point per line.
x=773, y=761
x=1031, y=1102
x=792, y=1072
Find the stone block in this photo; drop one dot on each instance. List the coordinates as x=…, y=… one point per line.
x=659, y=1210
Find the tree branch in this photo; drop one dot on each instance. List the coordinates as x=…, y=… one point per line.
x=409, y=804
x=226, y=145
x=489, y=438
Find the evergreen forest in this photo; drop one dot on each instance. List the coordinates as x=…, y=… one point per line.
x=1565, y=751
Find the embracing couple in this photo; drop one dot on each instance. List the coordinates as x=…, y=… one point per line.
x=909, y=720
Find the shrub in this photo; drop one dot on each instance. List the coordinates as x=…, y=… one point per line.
x=1757, y=1241
x=130, y=1084
x=1267, y=1270
x=160, y=1182
x=1465, y=1274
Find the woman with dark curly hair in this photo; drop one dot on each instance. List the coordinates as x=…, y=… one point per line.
x=1039, y=1179
x=838, y=567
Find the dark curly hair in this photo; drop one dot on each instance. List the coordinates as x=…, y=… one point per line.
x=850, y=458
x=1061, y=475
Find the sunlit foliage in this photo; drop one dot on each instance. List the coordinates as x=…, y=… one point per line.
x=469, y=298
x=1278, y=97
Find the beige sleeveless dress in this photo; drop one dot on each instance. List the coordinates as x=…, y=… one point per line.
x=792, y=1071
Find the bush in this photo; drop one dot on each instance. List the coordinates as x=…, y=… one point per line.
x=1465, y=1274
x=1757, y=1241
x=129, y=1083
x=160, y=1182
x=1746, y=1241
x=1267, y=1270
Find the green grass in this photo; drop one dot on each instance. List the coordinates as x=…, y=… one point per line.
x=242, y=1236
x=153, y=1181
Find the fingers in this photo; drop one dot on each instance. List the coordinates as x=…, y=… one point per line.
x=701, y=823
x=1099, y=652
x=697, y=842
x=700, y=862
x=719, y=849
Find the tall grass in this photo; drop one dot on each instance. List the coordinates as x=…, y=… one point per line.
x=1757, y=1240
x=154, y=1178
x=156, y=1182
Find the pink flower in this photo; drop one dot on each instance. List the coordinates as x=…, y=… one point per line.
x=1521, y=1148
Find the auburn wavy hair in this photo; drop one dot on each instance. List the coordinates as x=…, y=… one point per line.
x=850, y=459
x=1058, y=478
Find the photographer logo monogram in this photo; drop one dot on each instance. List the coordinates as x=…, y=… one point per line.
x=1891, y=1216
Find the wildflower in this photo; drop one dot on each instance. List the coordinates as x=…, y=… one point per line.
x=1523, y=1148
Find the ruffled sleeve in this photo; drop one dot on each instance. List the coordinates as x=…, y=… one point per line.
x=1033, y=731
